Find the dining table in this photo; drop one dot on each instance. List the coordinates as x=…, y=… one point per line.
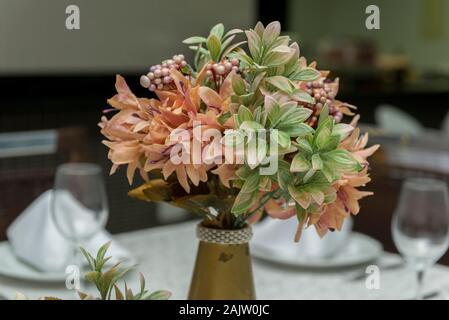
x=166, y=256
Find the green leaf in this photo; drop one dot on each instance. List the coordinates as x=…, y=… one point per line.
x=159, y=295
x=301, y=197
x=218, y=30
x=328, y=172
x=233, y=138
x=256, y=152
x=256, y=82
x=251, y=184
x=242, y=203
x=299, y=164
x=244, y=114
x=214, y=47
x=224, y=117
x=254, y=44
x=92, y=276
x=292, y=115
x=238, y=85
x=307, y=74
x=317, y=163
x=271, y=32
x=284, y=176
x=89, y=258
x=232, y=32
x=342, y=130
x=331, y=144
x=226, y=43
x=280, y=82
x=273, y=114
x=321, y=138
x=342, y=160
x=258, y=114
x=274, y=59
x=118, y=293
x=195, y=40
x=102, y=251
x=302, y=96
x=247, y=99
x=324, y=115
x=298, y=130
x=231, y=48
x=281, y=138
x=304, y=146
x=309, y=175
x=243, y=172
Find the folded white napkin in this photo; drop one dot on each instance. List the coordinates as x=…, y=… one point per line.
x=35, y=239
x=278, y=236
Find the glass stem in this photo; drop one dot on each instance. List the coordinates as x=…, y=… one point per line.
x=419, y=282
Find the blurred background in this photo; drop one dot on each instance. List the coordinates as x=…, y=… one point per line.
x=54, y=84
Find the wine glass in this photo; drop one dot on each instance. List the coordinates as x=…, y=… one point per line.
x=420, y=224
x=78, y=205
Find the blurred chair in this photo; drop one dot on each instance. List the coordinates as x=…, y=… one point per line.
x=395, y=121
x=28, y=162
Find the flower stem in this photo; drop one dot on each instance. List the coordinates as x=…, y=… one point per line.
x=265, y=198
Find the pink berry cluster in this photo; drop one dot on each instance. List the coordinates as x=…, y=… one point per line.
x=159, y=76
x=218, y=71
x=323, y=93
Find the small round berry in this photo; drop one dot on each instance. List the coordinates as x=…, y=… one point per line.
x=165, y=72
x=177, y=59
x=183, y=63
x=228, y=66
x=152, y=87
x=235, y=68
x=157, y=81
x=235, y=62
x=150, y=75
x=167, y=79
x=160, y=86
x=158, y=73
x=144, y=81
x=221, y=69
x=209, y=73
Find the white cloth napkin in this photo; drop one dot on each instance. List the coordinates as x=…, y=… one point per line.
x=277, y=235
x=35, y=239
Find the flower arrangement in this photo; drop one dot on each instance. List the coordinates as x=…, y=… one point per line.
x=248, y=127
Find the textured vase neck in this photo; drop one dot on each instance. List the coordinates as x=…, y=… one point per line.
x=219, y=236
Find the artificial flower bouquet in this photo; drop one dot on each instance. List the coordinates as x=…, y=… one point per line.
x=248, y=127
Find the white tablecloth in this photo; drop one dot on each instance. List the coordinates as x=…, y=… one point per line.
x=166, y=256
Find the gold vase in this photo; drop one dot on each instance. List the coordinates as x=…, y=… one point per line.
x=223, y=265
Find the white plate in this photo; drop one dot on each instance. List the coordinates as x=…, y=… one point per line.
x=11, y=267
x=359, y=249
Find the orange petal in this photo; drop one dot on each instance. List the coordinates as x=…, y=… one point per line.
x=210, y=97
x=182, y=178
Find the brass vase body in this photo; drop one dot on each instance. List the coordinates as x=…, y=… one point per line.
x=222, y=272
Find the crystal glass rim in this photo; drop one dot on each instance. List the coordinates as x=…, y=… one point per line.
x=79, y=168
x=424, y=184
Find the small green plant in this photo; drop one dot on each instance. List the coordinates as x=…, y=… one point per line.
x=106, y=281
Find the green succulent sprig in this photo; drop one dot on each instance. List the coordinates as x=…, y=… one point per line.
x=215, y=47
x=106, y=281
x=315, y=159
